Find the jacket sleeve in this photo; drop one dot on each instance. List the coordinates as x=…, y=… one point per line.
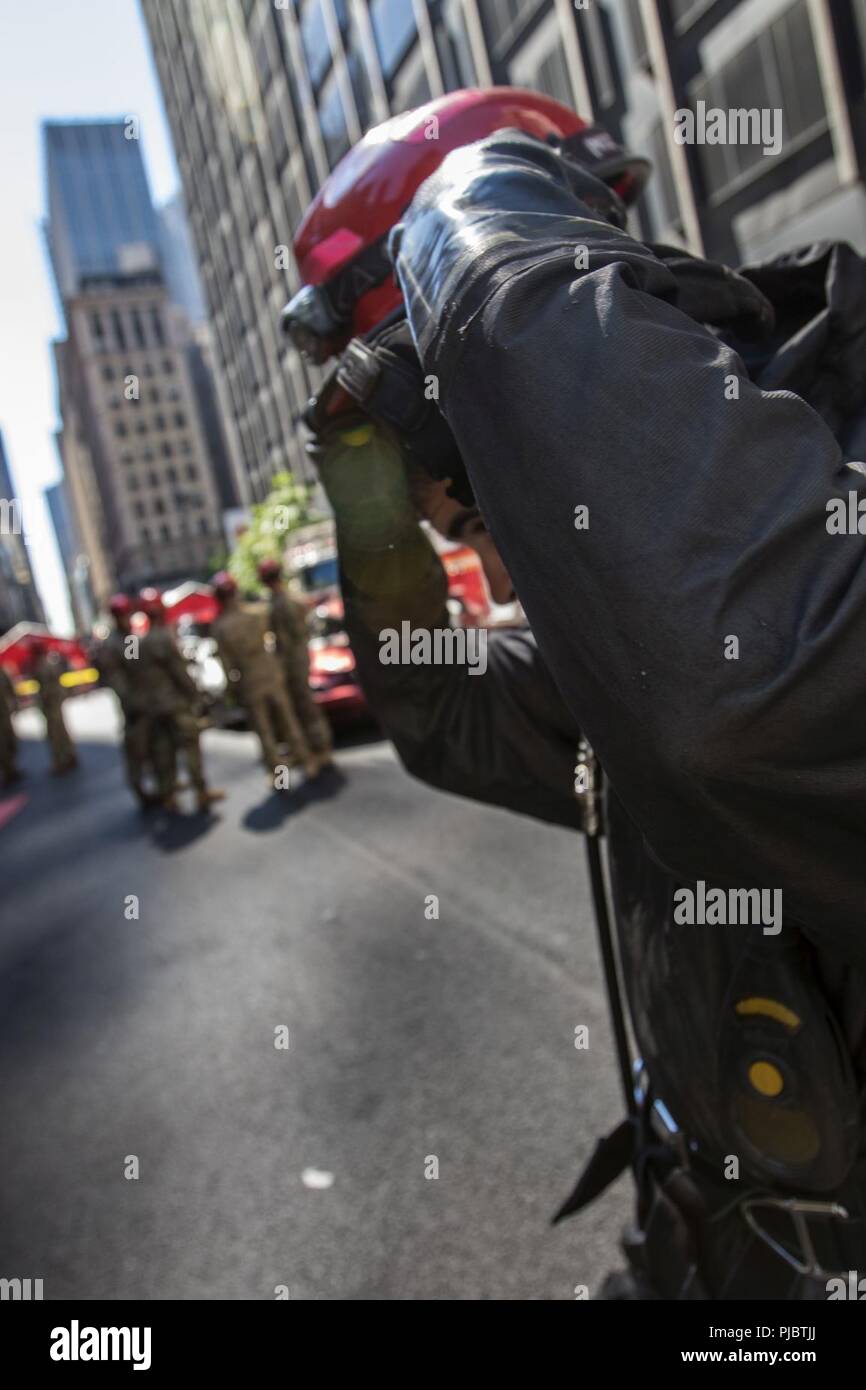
x=717, y=665
x=503, y=736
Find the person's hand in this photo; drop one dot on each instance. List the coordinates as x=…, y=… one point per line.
x=382, y=375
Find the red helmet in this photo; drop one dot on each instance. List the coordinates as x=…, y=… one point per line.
x=224, y=585
x=120, y=606
x=150, y=603
x=341, y=244
x=270, y=571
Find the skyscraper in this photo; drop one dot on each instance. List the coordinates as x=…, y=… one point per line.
x=145, y=505
x=101, y=223
x=74, y=560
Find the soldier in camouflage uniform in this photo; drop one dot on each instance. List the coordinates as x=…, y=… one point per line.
x=117, y=664
x=47, y=668
x=8, y=741
x=289, y=626
x=256, y=674
x=170, y=696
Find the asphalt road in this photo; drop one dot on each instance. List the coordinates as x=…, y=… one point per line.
x=409, y=1039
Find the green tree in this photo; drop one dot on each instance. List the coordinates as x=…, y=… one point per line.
x=287, y=506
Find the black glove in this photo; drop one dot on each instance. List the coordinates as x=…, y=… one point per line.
x=383, y=375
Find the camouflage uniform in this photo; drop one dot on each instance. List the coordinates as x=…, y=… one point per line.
x=47, y=672
x=8, y=740
x=165, y=688
x=257, y=675
x=289, y=626
x=120, y=673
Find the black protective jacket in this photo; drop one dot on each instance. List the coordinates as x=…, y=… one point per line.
x=707, y=513
x=630, y=388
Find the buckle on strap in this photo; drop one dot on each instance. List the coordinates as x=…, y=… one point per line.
x=798, y=1209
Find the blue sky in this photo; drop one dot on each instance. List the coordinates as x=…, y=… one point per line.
x=58, y=58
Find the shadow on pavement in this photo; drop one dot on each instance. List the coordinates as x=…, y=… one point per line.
x=173, y=831
x=277, y=807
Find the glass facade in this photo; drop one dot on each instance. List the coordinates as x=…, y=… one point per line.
x=99, y=207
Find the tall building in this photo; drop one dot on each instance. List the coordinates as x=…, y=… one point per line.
x=178, y=259
x=145, y=504
x=19, y=598
x=74, y=559
x=265, y=96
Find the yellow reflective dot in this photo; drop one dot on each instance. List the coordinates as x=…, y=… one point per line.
x=766, y=1078
x=355, y=438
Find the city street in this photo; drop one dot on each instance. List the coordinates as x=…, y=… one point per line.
x=409, y=1039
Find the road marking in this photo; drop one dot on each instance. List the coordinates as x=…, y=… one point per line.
x=10, y=808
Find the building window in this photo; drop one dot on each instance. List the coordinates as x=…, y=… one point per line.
x=159, y=422
x=314, y=37
x=361, y=91
x=156, y=325
x=97, y=329
x=139, y=510
x=185, y=447
x=777, y=70
x=665, y=193
x=502, y=19
x=332, y=120
x=145, y=533
x=159, y=506
x=119, y=334
x=120, y=429
x=411, y=86
x=171, y=475
x=860, y=16
x=597, y=42
x=165, y=532
x=453, y=47
x=180, y=419
x=167, y=365
x=394, y=30
x=153, y=478
x=541, y=63
x=191, y=472
x=202, y=525
x=133, y=483
x=685, y=12
x=138, y=329
x=107, y=373
x=155, y=394
x=167, y=451
x=637, y=32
